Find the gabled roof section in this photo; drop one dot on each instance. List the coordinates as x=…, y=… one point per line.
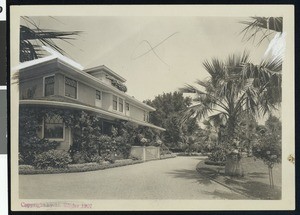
x=106, y=70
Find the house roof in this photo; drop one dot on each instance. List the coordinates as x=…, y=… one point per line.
x=58, y=101
x=106, y=70
x=53, y=55
x=70, y=66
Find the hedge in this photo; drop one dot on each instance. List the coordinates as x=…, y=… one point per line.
x=27, y=169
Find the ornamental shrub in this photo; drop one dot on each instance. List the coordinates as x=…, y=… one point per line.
x=30, y=144
x=218, y=154
x=52, y=158
x=268, y=149
x=79, y=157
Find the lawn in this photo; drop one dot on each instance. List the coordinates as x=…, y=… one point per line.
x=255, y=183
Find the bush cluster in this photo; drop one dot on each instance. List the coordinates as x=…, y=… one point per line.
x=52, y=158
x=27, y=169
x=268, y=149
x=218, y=155
x=89, y=144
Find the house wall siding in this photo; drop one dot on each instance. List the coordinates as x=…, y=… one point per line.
x=85, y=94
x=60, y=84
x=36, y=83
x=107, y=101
x=136, y=113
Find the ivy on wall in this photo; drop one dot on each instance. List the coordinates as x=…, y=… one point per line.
x=89, y=144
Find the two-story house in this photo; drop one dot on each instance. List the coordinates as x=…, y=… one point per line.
x=56, y=81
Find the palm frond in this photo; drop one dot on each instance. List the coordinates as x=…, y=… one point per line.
x=261, y=27
x=218, y=119
x=33, y=34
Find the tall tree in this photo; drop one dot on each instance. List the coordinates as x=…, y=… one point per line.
x=169, y=109
x=234, y=88
x=32, y=37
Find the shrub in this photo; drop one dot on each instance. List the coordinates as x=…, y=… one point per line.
x=21, y=160
x=84, y=166
x=52, y=158
x=268, y=149
x=30, y=147
x=26, y=167
x=96, y=159
x=125, y=161
x=79, y=157
x=30, y=144
x=218, y=155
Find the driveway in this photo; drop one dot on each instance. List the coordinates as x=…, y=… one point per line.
x=174, y=178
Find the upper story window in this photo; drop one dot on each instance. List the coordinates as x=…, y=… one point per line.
x=121, y=105
x=115, y=102
x=98, y=95
x=70, y=88
x=49, y=86
x=53, y=127
x=146, y=116
x=127, y=106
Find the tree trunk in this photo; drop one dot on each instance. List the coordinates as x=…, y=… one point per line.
x=271, y=177
x=233, y=166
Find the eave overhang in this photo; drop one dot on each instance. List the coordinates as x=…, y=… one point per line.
x=87, y=108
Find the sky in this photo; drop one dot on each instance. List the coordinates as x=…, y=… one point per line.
x=180, y=46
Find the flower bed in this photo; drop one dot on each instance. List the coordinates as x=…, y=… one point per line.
x=27, y=169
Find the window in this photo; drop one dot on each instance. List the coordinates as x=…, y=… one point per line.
x=146, y=116
x=127, y=106
x=121, y=105
x=70, y=88
x=49, y=86
x=115, y=102
x=53, y=127
x=98, y=95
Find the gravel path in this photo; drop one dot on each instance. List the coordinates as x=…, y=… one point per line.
x=174, y=178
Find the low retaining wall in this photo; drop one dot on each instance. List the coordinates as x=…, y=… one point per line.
x=145, y=153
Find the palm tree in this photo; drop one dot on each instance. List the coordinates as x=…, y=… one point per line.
x=261, y=28
x=234, y=88
x=32, y=38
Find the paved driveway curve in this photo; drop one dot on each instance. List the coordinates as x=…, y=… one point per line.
x=174, y=178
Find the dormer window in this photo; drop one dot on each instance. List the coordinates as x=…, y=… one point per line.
x=70, y=88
